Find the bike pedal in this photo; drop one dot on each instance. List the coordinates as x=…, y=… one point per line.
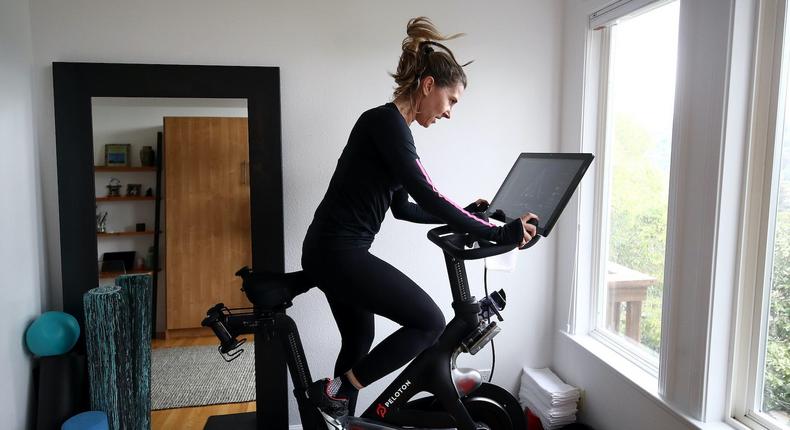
x=332, y=423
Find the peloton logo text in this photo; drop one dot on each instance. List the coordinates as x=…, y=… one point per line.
x=381, y=410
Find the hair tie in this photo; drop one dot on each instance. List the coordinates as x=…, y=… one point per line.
x=426, y=50
x=426, y=47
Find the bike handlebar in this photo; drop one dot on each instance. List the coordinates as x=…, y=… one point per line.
x=454, y=243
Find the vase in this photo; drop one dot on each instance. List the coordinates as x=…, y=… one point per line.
x=147, y=156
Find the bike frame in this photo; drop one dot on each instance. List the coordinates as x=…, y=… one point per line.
x=278, y=345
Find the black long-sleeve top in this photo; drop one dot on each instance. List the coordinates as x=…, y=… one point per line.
x=378, y=169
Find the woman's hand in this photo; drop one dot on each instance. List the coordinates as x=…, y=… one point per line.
x=479, y=205
x=529, y=230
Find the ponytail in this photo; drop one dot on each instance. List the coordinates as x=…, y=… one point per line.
x=423, y=56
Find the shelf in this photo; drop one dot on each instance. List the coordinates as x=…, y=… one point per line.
x=105, y=275
x=124, y=169
x=125, y=233
x=125, y=198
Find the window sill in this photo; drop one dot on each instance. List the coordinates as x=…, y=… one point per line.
x=642, y=380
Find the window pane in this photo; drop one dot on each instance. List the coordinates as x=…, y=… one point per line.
x=639, y=136
x=776, y=374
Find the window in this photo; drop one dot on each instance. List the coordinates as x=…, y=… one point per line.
x=773, y=399
x=762, y=374
x=638, y=55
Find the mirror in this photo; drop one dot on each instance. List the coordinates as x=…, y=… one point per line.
x=136, y=164
x=78, y=85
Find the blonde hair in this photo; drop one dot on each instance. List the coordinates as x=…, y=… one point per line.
x=424, y=56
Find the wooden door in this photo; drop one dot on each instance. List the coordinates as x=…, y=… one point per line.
x=207, y=217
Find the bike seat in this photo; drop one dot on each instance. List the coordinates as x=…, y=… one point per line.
x=269, y=290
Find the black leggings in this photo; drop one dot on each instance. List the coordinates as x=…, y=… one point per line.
x=357, y=285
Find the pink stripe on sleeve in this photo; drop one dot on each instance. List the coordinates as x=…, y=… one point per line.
x=428, y=178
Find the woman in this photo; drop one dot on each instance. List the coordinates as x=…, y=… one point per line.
x=378, y=170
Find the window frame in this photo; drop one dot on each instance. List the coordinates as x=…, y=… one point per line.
x=706, y=205
x=602, y=43
x=769, y=95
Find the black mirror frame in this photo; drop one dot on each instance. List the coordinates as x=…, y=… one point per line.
x=74, y=86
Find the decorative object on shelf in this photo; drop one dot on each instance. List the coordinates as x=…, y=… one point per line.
x=117, y=154
x=147, y=156
x=133, y=190
x=101, y=222
x=109, y=270
x=111, y=261
x=114, y=188
x=52, y=333
x=149, y=258
x=140, y=226
x=149, y=192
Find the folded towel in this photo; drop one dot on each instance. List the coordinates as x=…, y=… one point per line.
x=551, y=400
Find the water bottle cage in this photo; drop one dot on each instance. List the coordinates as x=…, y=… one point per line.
x=234, y=352
x=227, y=324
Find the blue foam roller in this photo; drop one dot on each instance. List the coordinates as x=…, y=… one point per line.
x=92, y=420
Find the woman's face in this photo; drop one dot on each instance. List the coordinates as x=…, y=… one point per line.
x=437, y=102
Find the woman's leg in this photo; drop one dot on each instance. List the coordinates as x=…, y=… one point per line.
x=356, y=331
x=360, y=280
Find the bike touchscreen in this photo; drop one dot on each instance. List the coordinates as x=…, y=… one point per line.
x=541, y=183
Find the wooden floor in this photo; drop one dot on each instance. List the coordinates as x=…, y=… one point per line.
x=192, y=418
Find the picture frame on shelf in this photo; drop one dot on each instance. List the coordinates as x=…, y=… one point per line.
x=117, y=154
x=134, y=190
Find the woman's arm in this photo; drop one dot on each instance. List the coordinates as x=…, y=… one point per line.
x=405, y=210
x=394, y=142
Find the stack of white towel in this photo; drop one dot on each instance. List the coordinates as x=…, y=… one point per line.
x=550, y=399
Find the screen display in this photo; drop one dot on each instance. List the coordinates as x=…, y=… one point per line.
x=536, y=185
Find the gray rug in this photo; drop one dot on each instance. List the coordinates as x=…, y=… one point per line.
x=198, y=376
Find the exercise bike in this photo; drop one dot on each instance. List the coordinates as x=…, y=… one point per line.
x=458, y=397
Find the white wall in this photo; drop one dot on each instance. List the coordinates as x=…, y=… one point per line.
x=334, y=58
x=136, y=121
x=21, y=230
